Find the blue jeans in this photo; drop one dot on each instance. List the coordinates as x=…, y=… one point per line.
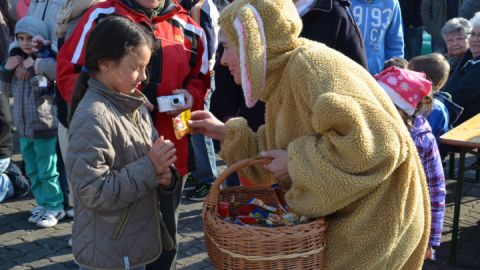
x=6, y=187
x=205, y=160
x=413, y=41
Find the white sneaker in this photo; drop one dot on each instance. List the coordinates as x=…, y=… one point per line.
x=37, y=213
x=50, y=218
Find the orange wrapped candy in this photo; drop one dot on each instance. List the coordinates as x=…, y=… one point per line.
x=180, y=126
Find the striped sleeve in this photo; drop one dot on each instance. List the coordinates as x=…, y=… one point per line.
x=71, y=56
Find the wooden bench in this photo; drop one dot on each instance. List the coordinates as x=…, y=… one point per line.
x=466, y=137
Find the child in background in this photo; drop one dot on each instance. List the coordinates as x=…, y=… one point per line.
x=444, y=111
x=395, y=61
x=409, y=91
x=115, y=161
x=35, y=119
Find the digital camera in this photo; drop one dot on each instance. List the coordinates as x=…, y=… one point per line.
x=170, y=103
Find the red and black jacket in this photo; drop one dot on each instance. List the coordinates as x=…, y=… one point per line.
x=179, y=62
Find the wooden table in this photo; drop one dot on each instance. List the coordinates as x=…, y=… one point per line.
x=467, y=137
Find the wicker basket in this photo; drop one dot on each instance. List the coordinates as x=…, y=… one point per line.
x=232, y=246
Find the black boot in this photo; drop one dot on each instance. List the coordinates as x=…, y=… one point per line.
x=21, y=186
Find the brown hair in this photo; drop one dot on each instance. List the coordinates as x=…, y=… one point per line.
x=395, y=61
x=112, y=39
x=435, y=66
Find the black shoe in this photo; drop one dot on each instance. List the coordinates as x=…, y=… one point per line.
x=21, y=186
x=199, y=193
x=190, y=183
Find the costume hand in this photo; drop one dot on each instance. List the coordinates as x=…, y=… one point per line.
x=278, y=166
x=205, y=123
x=21, y=73
x=188, y=102
x=165, y=178
x=162, y=154
x=13, y=62
x=28, y=63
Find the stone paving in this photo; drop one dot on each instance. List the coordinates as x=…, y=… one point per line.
x=24, y=246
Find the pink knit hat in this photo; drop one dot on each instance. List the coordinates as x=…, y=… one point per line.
x=406, y=88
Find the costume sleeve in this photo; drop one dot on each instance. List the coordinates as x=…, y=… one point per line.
x=394, y=36
x=71, y=57
x=426, y=11
x=357, y=140
x=242, y=143
x=89, y=160
x=432, y=165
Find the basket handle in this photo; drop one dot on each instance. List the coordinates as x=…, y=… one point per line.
x=237, y=166
x=212, y=197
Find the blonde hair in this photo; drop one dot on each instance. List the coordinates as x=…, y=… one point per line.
x=435, y=66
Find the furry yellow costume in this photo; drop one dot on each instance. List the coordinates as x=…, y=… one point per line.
x=350, y=156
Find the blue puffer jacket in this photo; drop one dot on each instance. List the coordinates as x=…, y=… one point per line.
x=380, y=22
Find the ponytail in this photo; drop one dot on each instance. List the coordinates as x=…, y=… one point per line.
x=80, y=89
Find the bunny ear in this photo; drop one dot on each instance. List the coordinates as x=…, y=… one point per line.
x=252, y=52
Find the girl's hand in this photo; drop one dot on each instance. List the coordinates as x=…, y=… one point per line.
x=13, y=62
x=162, y=155
x=205, y=123
x=278, y=166
x=188, y=102
x=165, y=178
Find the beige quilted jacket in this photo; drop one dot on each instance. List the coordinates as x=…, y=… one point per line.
x=117, y=218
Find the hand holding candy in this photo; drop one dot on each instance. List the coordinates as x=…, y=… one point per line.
x=205, y=123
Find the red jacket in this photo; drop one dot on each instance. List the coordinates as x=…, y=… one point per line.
x=180, y=62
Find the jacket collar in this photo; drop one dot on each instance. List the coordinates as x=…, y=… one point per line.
x=170, y=8
x=123, y=103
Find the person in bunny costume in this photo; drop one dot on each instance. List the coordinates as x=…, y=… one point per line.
x=338, y=144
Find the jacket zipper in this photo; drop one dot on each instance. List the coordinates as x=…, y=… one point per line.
x=121, y=223
x=45, y=10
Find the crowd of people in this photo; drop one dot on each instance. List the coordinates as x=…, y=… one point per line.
x=337, y=93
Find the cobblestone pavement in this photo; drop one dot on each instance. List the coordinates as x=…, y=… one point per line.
x=24, y=246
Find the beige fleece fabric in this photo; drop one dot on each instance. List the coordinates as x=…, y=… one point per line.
x=351, y=158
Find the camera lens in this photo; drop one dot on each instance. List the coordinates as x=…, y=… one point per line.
x=175, y=101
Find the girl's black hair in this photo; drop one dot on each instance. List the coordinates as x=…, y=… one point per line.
x=112, y=39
